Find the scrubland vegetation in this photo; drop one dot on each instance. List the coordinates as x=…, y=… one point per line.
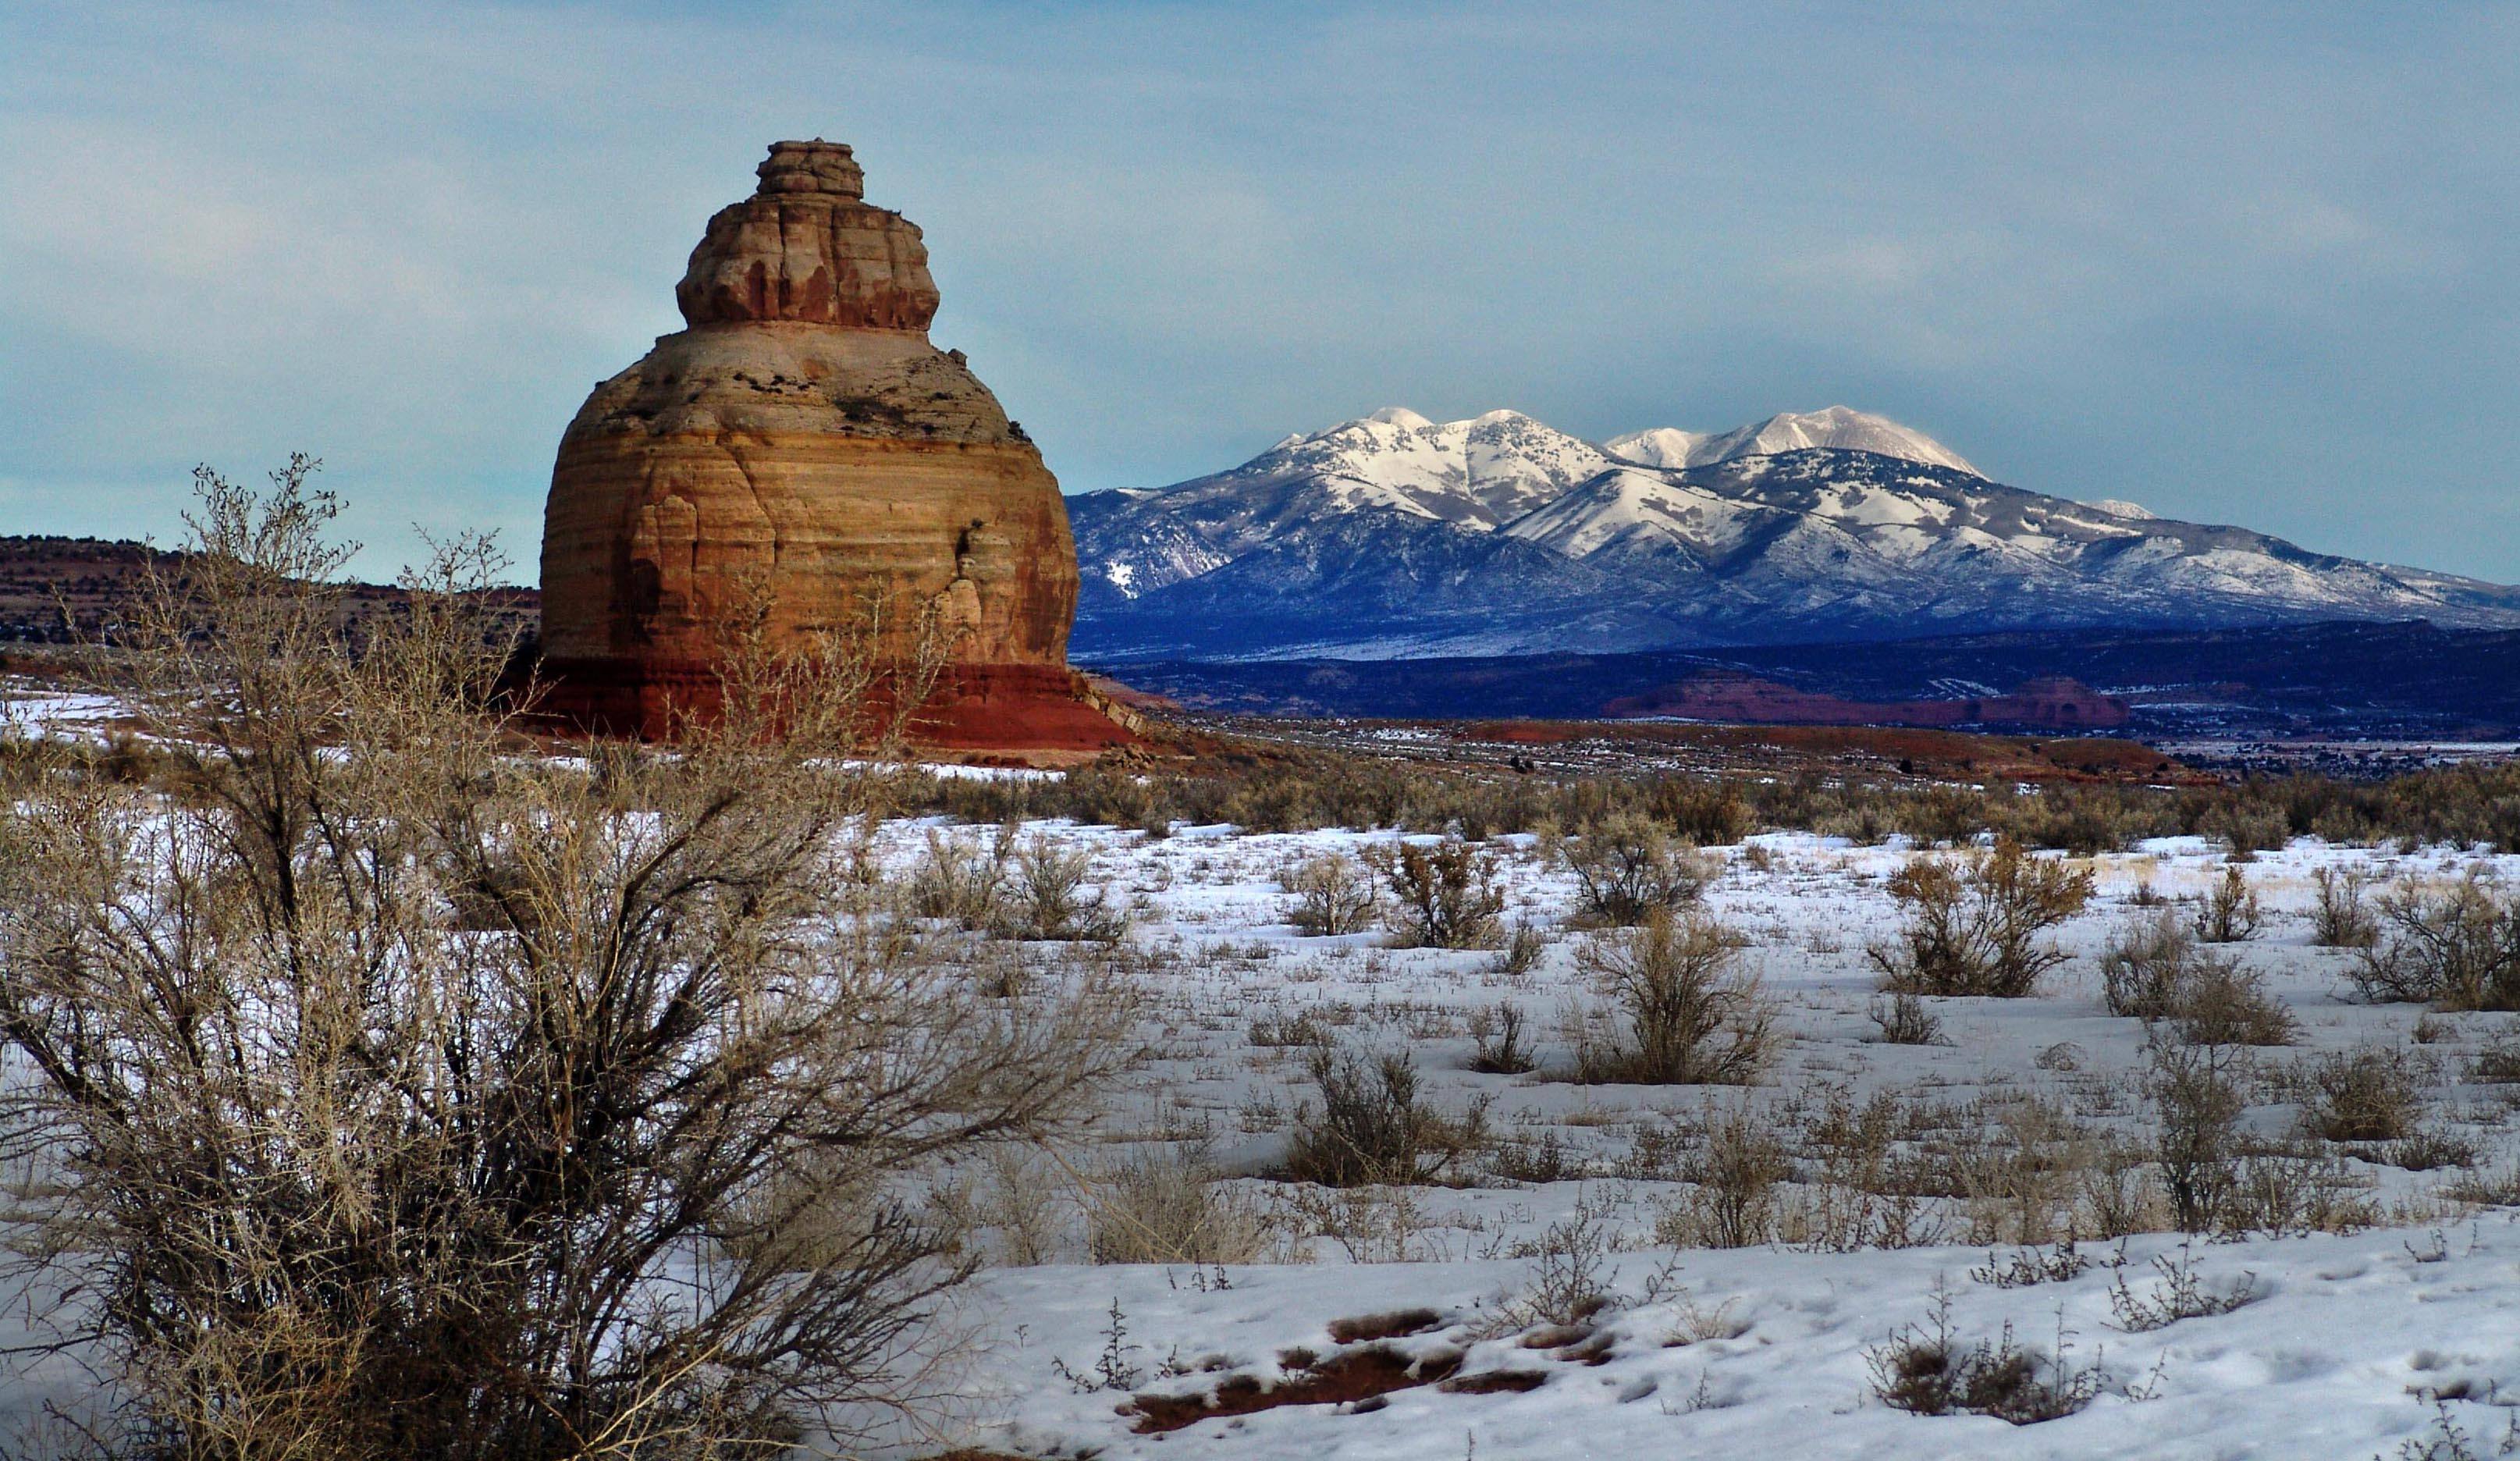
x=387, y=1080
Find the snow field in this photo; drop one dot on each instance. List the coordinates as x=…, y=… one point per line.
x=2349, y=1338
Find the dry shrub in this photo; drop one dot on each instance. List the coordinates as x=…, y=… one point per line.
x=1523, y=950
x=2341, y=916
x=1443, y=897
x=1927, y=1369
x=1498, y=1036
x=2365, y=1095
x=1868, y=1188
x=1691, y=1020
x=1571, y=1273
x=2229, y=914
x=2457, y=947
x=1904, y=1020
x=1975, y=930
x=1334, y=894
x=2018, y=1164
x=2145, y=968
x=2290, y=1193
x=2198, y=1099
x=960, y=879
x=1732, y=1202
x=2156, y=971
x=1048, y=897
x=2225, y=1004
x=1371, y=1128
x=2180, y=1293
x=1169, y=1205
x=1626, y=868
x=398, y=1094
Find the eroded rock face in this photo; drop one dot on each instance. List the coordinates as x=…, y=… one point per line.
x=803, y=446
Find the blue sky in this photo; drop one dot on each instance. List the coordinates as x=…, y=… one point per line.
x=2253, y=264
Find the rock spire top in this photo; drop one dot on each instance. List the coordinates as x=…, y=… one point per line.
x=815, y=166
x=806, y=247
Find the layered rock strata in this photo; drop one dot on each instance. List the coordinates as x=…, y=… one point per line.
x=803, y=451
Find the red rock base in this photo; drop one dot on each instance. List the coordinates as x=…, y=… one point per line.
x=974, y=708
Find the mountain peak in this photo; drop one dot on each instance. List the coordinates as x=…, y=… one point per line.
x=1841, y=427
x=1400, y=416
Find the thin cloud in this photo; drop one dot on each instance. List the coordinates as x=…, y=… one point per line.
x=2252, y=264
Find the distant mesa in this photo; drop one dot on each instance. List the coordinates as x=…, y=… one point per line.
x=2051, y=705
x=803, y=448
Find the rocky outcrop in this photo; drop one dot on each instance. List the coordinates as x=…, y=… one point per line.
x=803, y=451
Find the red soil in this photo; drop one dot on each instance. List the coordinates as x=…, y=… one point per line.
x=1012, y=709
x=1342, y=1379
x=1723, y=695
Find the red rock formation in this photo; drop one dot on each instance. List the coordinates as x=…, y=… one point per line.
x=1722, y=694
x=802, y=446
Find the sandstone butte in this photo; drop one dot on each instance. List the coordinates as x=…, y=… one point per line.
x=801, y=449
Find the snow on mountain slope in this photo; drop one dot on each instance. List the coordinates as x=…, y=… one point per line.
x=1839, y=428
x=1393, y=534
x=1661, y=446
x=1625, y=510
x=1481, y=472
x=1475, y=474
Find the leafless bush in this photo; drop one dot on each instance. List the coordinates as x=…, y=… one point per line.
x=1536, y=1160
x=1334, y=894
x=2365, y=1095
x=2198, y=1094
x=2156, y=971
x=1305, y=1026
x=1732, y=1200
x=961, y=880
x=1443, y=897
x=1524, y=949
x=1904, y=1020
x=1048, y=899
x=1976, y=931
x=2229, y=914
x=1571, y=1272
x=2296, y=1191
x=2341, y=917
x=2225, y=1004
x=1168, y=1206
x=1498, y=1034
x=2017, y=1160
x=1372, y=1128
x=1628, y=867
x=1690, y=1019
x=2061, y=1263
x=2181, y=1293
x=2145, y=970
x=2457, y=947
x=1927, y=1369
x=399, y=1095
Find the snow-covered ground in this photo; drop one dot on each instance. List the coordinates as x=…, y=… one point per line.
x=31, y=710
x=2351, y=1342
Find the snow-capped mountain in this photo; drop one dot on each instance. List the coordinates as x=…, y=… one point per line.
x=1838, y=428
x=1394, y=535
x=1475, y=475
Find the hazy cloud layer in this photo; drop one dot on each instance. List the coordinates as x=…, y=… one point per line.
x=2237, y=263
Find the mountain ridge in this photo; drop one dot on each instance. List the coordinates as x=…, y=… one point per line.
x=1385, y=536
